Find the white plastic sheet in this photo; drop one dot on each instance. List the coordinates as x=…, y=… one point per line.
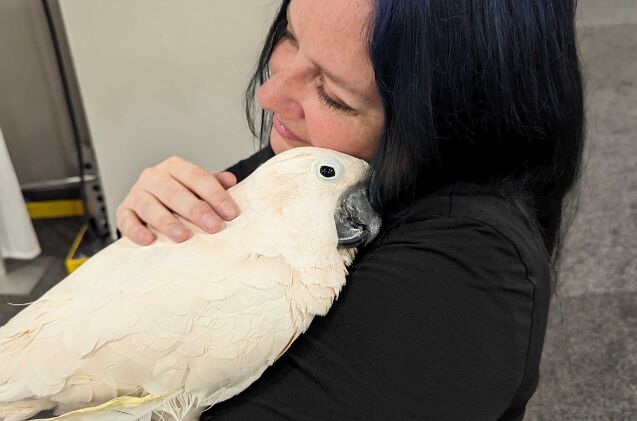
x=17, y=236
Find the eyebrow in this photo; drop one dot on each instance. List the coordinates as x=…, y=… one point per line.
x=331, y=76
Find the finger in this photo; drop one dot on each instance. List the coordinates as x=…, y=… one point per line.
x=177, y=198
x=227, y=179
x=206, y=186
x=151, y=210
x=131, y=226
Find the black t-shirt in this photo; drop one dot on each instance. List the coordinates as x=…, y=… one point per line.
x=442, y=318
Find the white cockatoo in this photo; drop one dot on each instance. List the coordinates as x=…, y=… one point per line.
x=170, y=329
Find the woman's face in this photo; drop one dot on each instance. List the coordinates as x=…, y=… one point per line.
x=322, y=90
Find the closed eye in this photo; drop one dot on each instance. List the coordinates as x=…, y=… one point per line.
x=332, y=103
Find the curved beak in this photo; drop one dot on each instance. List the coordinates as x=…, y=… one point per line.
x=356, y=222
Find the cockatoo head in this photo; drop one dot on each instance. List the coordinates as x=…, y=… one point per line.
x=313, y=201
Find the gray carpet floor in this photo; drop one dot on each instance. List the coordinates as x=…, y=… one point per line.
x=56, y=237
x=589, y=364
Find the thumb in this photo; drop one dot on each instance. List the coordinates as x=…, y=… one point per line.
x=227, y=179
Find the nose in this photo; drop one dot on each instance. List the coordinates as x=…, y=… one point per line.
x=281, y=94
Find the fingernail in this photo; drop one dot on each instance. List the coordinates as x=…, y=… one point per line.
x=229, y=210
x=177, y=232
x=211, y=222
x=143, y=237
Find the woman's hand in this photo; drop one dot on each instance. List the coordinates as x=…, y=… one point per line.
x=179, y=187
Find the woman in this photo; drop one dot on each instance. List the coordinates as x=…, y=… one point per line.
x=471, y=114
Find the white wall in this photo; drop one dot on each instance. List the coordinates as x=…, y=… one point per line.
x=33, y=111
x=606, y=12
x=164, y=77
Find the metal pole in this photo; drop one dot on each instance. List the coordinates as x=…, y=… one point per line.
x=3, y=271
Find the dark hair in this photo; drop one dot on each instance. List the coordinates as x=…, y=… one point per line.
x=481, y=91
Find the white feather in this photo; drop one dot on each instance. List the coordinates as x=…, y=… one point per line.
x=172, y=328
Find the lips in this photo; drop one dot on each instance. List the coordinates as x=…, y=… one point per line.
x=283, y=131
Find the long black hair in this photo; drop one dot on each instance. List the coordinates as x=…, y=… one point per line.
x=481, y=91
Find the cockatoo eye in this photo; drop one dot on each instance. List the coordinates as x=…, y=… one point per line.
x=328, y=172
x=329, y=169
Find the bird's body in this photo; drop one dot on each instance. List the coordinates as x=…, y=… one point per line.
x=178, y=327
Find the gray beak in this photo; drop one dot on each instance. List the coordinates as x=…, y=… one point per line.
x=356, y=222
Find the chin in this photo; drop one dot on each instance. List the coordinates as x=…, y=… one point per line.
x=278, y=146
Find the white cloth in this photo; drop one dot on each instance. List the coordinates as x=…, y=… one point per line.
x=17, y=236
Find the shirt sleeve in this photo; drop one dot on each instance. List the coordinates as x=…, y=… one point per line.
x=434, y=323
x=244, y=168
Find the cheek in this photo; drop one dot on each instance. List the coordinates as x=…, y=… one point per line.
x=347, y=135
